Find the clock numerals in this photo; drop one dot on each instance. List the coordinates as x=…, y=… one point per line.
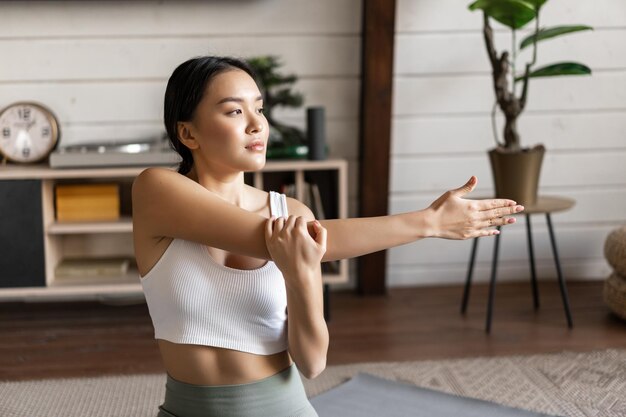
x=45, y=131
x=26, y=152
x=6, y=132
x=24, y=113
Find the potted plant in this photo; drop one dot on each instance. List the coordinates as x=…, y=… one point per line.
x=284, y=141
x=515, y=168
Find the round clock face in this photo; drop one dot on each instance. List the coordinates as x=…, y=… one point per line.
x=28, y=132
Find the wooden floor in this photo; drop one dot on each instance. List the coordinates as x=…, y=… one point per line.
x=42, y=340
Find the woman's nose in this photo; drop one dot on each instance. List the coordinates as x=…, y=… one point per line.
x=255, y=124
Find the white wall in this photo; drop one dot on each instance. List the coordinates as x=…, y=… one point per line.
x=441, y=131
x=102, y=66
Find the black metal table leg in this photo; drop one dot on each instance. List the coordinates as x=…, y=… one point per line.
x=327, y=302
x=531, y=255
x=492, y=284
x=564, y=295
x=468, y=280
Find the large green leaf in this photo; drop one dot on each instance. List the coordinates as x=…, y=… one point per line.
x=552, y=32
x=537, y=3
x=512, y=13
x=561, y=68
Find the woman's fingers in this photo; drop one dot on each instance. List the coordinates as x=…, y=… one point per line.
x=279, y=223
x=495, y=203
x=320, y=237
x=290, y=223
x=501, y=211
x=301, y=224
x=501, y=221
x=269, y=228
x=491, y=232
x=496, y=217
x=283, y=225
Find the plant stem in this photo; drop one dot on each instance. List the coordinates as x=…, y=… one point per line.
x=513, y=59
x=494, y=126
x=528, y=65
x=535, y=38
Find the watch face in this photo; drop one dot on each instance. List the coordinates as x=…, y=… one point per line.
x=28, y=132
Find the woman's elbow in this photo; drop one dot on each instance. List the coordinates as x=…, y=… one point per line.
x=311, y=371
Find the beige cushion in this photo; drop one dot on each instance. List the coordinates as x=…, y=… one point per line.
x=615, y=250
x=615, y=294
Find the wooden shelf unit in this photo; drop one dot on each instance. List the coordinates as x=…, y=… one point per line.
x=114, y=238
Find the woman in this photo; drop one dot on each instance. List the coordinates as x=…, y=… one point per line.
x=224, y=264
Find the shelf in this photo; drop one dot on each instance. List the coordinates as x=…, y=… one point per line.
x=43, y=171
x=123, y=225
x=84, y=239
x=302, y=165
x=73, y=291
x=130, y=278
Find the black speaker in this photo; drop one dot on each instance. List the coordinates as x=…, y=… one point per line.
x=22, y=261
x=316, y=132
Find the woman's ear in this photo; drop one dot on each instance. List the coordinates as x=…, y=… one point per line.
x=186, y=135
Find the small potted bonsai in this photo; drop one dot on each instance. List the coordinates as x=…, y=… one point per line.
x=516, y=169
x=284, y=141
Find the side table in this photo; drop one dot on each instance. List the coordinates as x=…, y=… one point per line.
x=544, y=205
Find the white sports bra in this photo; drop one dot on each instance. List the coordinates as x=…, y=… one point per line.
x=193, y=299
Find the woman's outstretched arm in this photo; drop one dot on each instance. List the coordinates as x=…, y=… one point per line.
x=167, y=204
x=448, y=217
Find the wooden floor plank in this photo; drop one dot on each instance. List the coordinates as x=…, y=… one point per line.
x=46, y=340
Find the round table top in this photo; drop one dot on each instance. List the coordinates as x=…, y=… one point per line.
x=544, y=204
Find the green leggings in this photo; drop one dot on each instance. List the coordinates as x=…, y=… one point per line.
x=279, y=395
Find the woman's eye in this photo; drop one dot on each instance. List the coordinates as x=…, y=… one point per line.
x=261, y=110
x=236, y=111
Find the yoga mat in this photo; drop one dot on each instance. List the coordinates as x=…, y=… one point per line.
x=367, y=395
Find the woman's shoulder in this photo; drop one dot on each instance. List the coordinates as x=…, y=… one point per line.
x=298, y=208
x=294, y=207
x=151, y=175
x=161, y=181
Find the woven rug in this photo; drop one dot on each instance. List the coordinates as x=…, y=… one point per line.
x=563, y=384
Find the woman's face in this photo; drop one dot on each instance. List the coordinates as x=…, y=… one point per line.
x=230, y=128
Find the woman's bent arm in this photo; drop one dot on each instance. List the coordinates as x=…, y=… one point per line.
x=167, y=204
x=297, y=252
x=306, y=327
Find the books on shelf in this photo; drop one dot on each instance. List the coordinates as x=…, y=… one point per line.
x=311, y=197
x=87, y=202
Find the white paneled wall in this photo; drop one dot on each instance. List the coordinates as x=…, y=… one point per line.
x=102, y=66
x=442, y=129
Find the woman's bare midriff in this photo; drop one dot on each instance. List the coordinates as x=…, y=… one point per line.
x=207, y=365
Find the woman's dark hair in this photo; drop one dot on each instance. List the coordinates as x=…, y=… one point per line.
x=185, y=90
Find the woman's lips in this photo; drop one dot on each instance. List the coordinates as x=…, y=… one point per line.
x=256, y=146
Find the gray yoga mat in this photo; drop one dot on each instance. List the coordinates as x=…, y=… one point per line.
x=366, y=395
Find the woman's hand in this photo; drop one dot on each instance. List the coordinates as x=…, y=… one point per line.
x=456, y=218
x=295, y=249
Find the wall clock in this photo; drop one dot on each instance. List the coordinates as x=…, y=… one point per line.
x=29, y=132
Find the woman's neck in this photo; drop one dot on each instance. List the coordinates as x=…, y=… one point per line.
x=230, y=187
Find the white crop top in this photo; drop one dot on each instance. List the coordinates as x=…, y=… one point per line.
x=193, y=299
